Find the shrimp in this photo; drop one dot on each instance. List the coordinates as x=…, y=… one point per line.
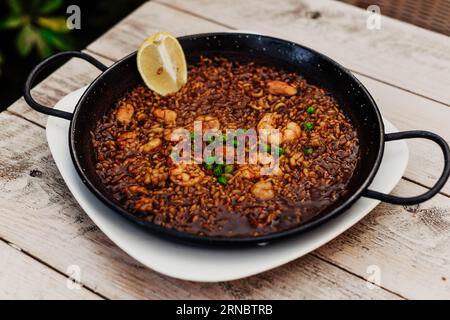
x=268, y=132
x=296, y=159
x=125, y=113
x=127, y=140
x=266, y=166
x=151, y=146
x=266, y=127
x=144, y=204
x=186, y=175
x=249, y=172
x=291, y=132
x=263, y=190
x=156, y=177
x=165, y=115
x=145, y=173
x=137, y=190
x=281, y=88
x=209, y=122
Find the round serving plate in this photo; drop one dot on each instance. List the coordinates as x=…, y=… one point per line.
x=205, y=264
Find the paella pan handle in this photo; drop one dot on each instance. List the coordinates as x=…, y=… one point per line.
x=439, y=184
x=43, y=65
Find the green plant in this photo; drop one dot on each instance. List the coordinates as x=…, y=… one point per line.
x=37, y=26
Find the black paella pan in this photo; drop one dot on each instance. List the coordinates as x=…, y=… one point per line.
x=316, y=68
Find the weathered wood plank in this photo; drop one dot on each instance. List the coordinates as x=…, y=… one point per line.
x=151, y=17
x=49, y=206
x=411, y=112
x=410, y=246
x=401, y=54
x=39, y=215
x=22, y=277
x=405, y=110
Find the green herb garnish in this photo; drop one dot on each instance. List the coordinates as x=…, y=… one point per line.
x=218, y=170
x=280, y=151
x=310, y=110
x=222, y=180
x=228, y=168
x=308, y=151
x=309, y=126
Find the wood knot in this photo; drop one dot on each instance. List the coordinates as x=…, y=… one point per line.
x=36, y=173
x=314, y=14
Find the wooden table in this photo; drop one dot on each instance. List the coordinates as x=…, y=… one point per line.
x=43, y=231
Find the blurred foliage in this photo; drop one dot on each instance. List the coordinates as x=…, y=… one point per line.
x=36, y=27
x=33, y=29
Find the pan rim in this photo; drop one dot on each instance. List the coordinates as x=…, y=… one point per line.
x=186, y=237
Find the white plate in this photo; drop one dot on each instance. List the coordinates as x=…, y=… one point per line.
x=208, y=264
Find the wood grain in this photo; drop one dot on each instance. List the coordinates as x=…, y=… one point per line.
x=22, y=277
x=151, y=17
x=35, y=201
x=405, y=110
x=411, y=112
x=410, y=245
x=40, y=216
x=400, y=54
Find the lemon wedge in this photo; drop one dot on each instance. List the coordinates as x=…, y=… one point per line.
x=161, y=63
